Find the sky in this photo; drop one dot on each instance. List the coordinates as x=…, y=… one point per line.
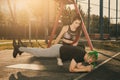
x=94, y=7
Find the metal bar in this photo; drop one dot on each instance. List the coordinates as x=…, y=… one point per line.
x=112, y=9
x=116, y=19
x=102, y=63
x=109, y=17
x=55, y=25
x=83, y=27
x=30, y=32
x=101, y=19
x=89, y=16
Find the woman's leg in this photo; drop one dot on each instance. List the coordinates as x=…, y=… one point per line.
x=53, y=51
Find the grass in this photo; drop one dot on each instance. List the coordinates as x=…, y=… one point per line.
x=111, y=46
x=106, y=45
x=26, y=42
x=5, y=40
x=5, y=46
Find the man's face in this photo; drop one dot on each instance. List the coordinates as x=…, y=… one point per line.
x=89, y=59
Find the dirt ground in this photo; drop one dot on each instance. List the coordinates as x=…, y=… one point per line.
x=48, y=70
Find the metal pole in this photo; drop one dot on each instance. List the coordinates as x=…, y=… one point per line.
x=84, y=27
x=101, y=19
x=109, y=17
x=89, y=16
x=30, y=31
x=46, y=19
x=25, y=32
x=14, y=11
x=55, y=24
x=10, y=8
x=116, y=19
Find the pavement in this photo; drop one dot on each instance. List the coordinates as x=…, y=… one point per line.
x=28, y=67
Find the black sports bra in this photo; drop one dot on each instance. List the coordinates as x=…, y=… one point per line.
x=70, y=35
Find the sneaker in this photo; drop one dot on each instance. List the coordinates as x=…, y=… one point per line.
x=20, y=53
x=22, y=45
x=59, y=62
x=16, y=50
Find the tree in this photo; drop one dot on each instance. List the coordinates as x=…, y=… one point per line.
x=105, y=25
x=1, y=23
x=94, y=24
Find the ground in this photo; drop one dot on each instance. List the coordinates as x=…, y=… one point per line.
x=32, y=68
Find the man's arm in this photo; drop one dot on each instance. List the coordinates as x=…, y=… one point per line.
x=74, y=68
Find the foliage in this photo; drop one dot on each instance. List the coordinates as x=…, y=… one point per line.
x=1, y=16
x=68, y=14
x=94, y=24
x=22, y=17
x=105, y=26
x=8, y=30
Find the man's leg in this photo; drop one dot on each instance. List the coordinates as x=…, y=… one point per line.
x=16, y=50
x=40, y=52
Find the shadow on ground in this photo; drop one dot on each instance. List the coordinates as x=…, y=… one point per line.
x=52, y=71
x=20, y=76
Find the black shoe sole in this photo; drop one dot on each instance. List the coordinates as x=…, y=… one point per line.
x=15, y=51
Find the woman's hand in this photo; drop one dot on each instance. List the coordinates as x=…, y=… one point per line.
x=60, y=35
x=75, y=44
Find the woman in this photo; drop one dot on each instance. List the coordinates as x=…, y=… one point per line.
x=70, y=34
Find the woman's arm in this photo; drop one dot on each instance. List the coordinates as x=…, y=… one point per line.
x=76, y=43
x=60, y=35
x=74, y=68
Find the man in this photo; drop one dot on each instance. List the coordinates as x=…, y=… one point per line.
x=76, y=55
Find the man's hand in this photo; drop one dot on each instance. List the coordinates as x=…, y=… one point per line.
x=89, y=68
x=78, y=67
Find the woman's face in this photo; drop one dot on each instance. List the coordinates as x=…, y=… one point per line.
x=76, y=23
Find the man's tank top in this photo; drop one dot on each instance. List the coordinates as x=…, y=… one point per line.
x=68, y=53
